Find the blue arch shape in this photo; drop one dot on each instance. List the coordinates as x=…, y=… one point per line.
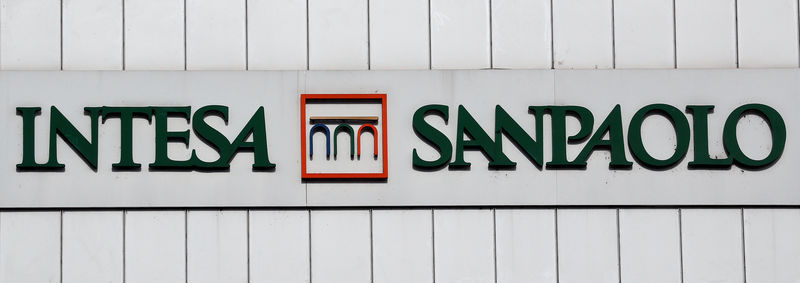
x=327, y=131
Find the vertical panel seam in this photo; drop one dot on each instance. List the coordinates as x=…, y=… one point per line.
x=1, y=37
x=371, y=249
x=680, y=238
x=797, y=3
x=613, y=45
x=491, y=45
x=248, y=245
x=369, y=67
x=744, y=250
x=61, y=247
x=185, y=38
x=186, y=245
x=124, y=268
x=552, y=41
x=555, y=222
x=246, y=52
x=308, y=67
x=433, y=242
x=61, y=35
x=123, y=34
x=736, y=29
x=310, y=266
x=619, y=250
x=675, y=37
x=494, y=238
x=430, y=46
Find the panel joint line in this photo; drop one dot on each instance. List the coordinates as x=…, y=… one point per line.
x=736, y=27
x=675, y=36
x=680, y=238
x=123, y=34
x=744, y=249
x=619, y=252
x=555, y=223
x=369, y=50
x=433, y=244
x=246, y=49
x=430, y=43
x=552, y=41
x=494, y=240
x=491, y=43
x=613, y=42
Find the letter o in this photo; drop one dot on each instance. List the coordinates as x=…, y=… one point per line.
x=776, y=126
x=682, y=133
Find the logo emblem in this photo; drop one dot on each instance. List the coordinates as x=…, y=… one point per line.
x=343, y=136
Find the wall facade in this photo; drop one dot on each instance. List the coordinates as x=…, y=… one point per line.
x=425, y=244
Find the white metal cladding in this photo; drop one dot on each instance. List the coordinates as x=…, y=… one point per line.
x=402, y=245
x=91, y=246
x=391, y=34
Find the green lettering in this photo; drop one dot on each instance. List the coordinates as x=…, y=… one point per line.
x=28, y=139
x=777, y=128
x=478, y=139
x=211, y=136
x=257, y=127
x=558, y=116
x=126, y=115
x=702, y=159
x=681, y=132
x=504, y=124
x=431, y=136
x=163, y=136
x=60, y=126
x=615, y=143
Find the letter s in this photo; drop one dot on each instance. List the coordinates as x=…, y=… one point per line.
x=432, y=136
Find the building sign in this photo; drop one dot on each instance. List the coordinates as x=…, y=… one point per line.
x=346, y=117
x=199, y=139
x=608, y=136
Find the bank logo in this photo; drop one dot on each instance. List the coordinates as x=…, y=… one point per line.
x=343, y=136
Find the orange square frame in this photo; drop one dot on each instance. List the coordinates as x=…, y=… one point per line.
x=378, y=96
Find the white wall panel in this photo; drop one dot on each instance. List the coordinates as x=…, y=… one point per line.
x=398, y=34
x=463, y=245
x=525, y=240
x=767, y=33
x=582, y=34
x=279, y=246
x=526, y=245
x=712, y=245
x=521, y=34
x=705, y=33
x=276, y=34
x=30, y=246
x=402, y=246
x=460, y=34
x=644, y=34
x=92, y=246
x=30, y=35
x=772, y=245
x=155, y=246
x=154, y=35
x=650, y=249
x=340, y=246
x=338, y=37
x=215, y=35
x=216, y=243
x=92, y=35
x=587, y=245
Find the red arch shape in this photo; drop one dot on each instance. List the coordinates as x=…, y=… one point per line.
x=374, y=134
